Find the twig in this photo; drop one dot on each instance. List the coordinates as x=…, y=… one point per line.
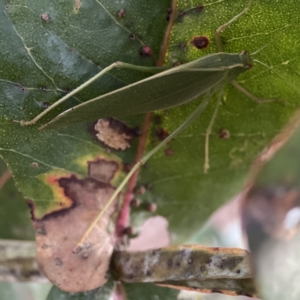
x=17, y=262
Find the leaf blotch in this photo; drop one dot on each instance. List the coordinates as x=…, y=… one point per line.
x=58, y=261
x=224, y=134
x=151, y=207
x=146, y=51
x=34, y=165
x=113, y=133
x=88, y=196
x=46, y=17
x=135, y=203
x=121, y=13
x=103, y=170
x=200, y=42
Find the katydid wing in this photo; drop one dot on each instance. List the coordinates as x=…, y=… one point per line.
x=169, y=88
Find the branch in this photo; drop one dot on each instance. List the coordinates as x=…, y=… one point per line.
x=17, y=262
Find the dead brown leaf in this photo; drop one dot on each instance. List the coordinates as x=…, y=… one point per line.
x=58, y=232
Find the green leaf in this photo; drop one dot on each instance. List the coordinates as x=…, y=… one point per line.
x=149, y=291
x=102, y=293
x=14, y=215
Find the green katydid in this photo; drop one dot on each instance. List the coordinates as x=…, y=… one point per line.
x=156, y=92
x=201, y=77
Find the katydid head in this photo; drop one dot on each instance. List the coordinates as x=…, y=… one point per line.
x=246, y=59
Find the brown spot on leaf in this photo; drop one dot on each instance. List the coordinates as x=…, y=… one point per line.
x=113, y=133
x=46, y=17
x=135, y=202
x=146, y=51
x=141, y=190
x=224, y=134
x=89, y=197
x=103, y=170
x=200, y=42
x=34, y=165
x=46, y=104
x=151, y=207
x=58, y=261
x=162, y=134
x=121, y=13
x=77, y=5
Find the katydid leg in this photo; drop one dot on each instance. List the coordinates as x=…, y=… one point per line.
x=194, y=115
x=118, y=64
x=249, y=95
x=224, y=26
x=208, y=132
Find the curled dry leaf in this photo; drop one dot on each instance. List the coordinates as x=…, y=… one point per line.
x=58, y=232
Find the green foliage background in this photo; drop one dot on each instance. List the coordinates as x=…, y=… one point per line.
x=40, y=61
